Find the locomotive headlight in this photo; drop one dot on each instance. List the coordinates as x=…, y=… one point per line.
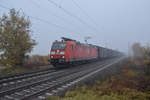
x=62, y=53
x=52, y=52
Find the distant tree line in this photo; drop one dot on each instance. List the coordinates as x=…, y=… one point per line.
x=142, y=55
x=140, y=51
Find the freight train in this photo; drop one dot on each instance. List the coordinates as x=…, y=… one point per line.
x=70, y=51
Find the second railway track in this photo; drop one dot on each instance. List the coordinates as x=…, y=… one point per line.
x=13, y=77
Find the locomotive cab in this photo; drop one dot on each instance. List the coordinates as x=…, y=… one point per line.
x=61, y=52
x=57, y=53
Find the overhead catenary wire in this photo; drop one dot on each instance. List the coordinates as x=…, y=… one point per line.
x=39, y=19
x=59, y=17
x=4, y=7
x=36, y=4
x=83, y=11
x=72, y=15
x=48, y=22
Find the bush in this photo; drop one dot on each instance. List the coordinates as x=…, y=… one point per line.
x=37, y=60
x=147, y=66
x=128, y=94
x=34, y=62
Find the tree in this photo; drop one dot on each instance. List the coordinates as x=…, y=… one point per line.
x=137, y=50
x=15, y=39
x=146, y=52
x=140, y=51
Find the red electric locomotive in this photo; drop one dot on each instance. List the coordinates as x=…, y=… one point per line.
x=69, y=51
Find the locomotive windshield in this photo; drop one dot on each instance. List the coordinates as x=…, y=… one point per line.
x=58, y=46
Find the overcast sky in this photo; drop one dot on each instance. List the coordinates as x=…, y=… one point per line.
x=110, y=23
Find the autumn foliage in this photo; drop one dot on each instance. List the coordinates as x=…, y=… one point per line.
x=15, y=39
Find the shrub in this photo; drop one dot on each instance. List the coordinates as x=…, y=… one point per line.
x=37, y=60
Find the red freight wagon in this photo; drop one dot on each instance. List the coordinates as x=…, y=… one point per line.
x=69, y=51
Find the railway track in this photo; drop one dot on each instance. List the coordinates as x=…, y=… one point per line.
x=9, y=77
x=19, y=78
x=16, y=80
x=42, y=84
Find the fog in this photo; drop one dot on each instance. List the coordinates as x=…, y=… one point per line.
x=113, y=24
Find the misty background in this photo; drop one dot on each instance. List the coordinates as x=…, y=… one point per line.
x=113, y=24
